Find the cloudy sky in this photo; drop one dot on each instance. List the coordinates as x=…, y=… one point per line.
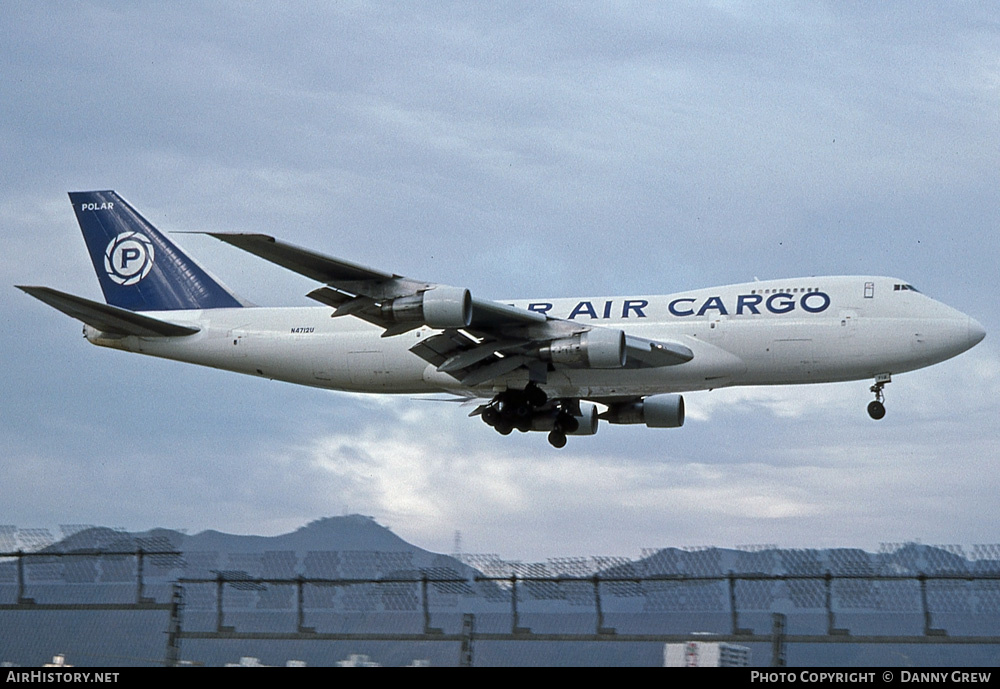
x=521, y=150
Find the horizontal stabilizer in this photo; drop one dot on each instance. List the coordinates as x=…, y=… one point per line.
x=109, y=319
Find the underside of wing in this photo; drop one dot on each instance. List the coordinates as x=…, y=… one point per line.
x=473, y=361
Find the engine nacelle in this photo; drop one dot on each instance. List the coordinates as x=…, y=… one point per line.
x=656, y=411
x=587, y=419
x=598, y=348
x=440, y=307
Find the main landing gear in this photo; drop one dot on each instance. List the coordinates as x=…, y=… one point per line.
x=530, y=410
x=876, y=409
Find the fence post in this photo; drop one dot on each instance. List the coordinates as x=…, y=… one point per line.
x=173, y=656
x=21, y=584
x=301, y=605
x=831, y=629
x=601, y=629
x=468, y=631
x=428, y=629
x=778, y=640
x=928, y=630
x=515, y=626
x=734, y=611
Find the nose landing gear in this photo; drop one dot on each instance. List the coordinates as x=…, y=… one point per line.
x=876, y=409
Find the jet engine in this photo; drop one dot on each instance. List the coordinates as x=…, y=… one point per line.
x=587, y=420
x=598, y=348
x=441, y=307
x=656, y=411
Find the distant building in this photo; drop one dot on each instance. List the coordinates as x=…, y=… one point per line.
x=58, y=661
x=250, y=661
x=247, y=661
x=705, y=654
x=357, y=660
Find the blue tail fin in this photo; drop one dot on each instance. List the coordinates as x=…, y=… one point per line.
x=140, y=269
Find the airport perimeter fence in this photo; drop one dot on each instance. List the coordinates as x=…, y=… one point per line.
x=901, y=595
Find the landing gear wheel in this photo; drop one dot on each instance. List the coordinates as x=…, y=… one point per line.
x=526, y=410
x=876, y=410
x=568, y=422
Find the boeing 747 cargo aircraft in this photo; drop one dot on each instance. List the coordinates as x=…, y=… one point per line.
x=553, y=365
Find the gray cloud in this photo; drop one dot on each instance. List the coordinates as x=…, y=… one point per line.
x=520, y=150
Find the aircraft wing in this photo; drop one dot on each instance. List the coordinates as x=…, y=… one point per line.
x=479, y=340
x=303, y=261
x=106, y=318
x=353, y=289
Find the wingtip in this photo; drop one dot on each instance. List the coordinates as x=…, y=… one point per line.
x=232, y=237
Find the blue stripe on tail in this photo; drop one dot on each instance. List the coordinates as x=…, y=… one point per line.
x=140, y=269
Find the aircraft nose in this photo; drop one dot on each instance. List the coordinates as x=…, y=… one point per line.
x=976, y=332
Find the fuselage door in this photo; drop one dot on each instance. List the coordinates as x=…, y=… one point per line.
x=368, y=369
x=716, y=326
x=240, y=339
x=848, y=323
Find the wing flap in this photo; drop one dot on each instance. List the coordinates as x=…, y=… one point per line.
x=495, y=369
x=437, y=349
x=106, y=318
x=455, y=353
x=472, y=356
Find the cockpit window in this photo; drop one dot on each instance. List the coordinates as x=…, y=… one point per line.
x=905, y=288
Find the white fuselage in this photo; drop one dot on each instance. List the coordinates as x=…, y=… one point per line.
x=807, y=330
